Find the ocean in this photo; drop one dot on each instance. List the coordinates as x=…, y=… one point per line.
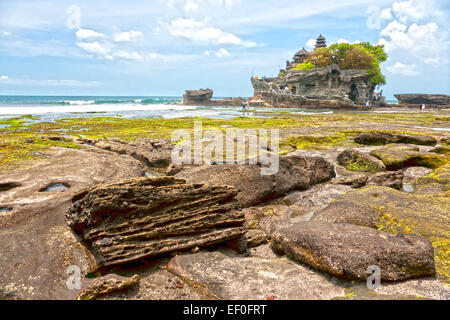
x=48, y=108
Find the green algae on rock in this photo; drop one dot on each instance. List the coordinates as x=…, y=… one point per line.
x=397, y=212
x=398, y=156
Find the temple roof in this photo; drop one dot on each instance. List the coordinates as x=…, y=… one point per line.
x=302, y=52
x=321, y=37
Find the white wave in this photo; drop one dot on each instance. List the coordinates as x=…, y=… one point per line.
x=138, y=100
x=84, y=108
x=79, y=102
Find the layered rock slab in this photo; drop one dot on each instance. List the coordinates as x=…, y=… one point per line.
x=105, y=287
x=140, y=218
x=346, y=250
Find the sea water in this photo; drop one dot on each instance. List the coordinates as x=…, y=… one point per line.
x=48, y=108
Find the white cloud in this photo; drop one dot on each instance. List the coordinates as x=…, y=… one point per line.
x=127, y=36
x=129, y=55
x=48, y=82
x=221, y=53
x=386, y=14
x=201, y=32
x=413, y=10
x=403, y=69
x=5, y=33
x=310, y=44
x=85, y=34
x=191, y=5
x=416, y=36
x=424, y=42
x=96, y=48
x=339, y=41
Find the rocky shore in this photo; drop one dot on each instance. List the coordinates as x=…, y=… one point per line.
x=352, y=191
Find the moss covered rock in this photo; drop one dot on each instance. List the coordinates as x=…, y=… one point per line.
x=347, y=250
x=398, y=156
x=357, y=161
x=435, y=182
x=379, y=138
x=390, y=210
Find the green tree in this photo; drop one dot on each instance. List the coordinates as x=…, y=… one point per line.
x=320, y=57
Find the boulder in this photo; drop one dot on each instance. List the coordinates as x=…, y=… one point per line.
x=151, y=152
x=203, y=97
x=387, y=209
x=144, y=217
x=267, y=218
x=398, y=156
x=346, y=250
x=392, y=179
x=421, y=98
x=255, y=237
x=220, y=275
x=197, y=97
x=305, y=203
x=105, y=287
x=355, y=181
x=295, y=173
x=357, y=161
x=435, y=182
x=379, y=138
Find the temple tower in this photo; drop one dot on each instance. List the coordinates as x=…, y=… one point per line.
x=321, y=42
x=301, y=56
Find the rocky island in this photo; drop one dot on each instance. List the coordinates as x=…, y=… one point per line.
x=339, y=76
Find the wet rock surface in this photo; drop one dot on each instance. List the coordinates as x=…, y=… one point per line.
x=326, y=247
x=140, y=218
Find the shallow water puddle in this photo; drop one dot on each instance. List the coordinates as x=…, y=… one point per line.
x=57, y=187
x=408, y=188
x=5, y=209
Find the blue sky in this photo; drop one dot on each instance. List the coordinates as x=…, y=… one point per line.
x=164, y=47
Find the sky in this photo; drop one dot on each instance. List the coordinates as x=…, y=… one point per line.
x=163, y=47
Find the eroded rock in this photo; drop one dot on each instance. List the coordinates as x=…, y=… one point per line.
x=140, y=218
x=295, y=173
x=151, y=152
x=387, y=179
x=105, y=287
x=346, y=250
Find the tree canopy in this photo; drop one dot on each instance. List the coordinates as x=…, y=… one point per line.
x=362, y=56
